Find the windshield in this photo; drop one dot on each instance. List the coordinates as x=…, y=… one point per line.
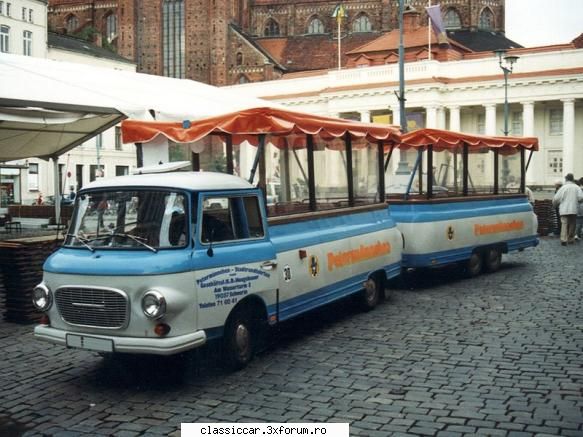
x=146, y=220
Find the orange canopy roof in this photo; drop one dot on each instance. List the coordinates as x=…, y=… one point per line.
x=248, y=124
x=448, y=140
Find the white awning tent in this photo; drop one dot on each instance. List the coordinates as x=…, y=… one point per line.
x=48, y=107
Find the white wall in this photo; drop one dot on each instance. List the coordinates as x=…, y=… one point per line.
x=38, y=25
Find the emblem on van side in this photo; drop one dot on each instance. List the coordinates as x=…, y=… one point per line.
x=450, y=233
x=287, y=273
x=314, y=266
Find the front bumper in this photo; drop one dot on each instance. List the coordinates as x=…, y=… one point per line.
x=136, y=345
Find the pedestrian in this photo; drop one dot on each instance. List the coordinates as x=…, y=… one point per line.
x=557, y=229
x=101, y=207
x=567, y=199
x=579, y=227
x=529, y=195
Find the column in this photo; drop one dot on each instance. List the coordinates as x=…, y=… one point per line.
x=568, y=135
x=335, y=171
x=490, y=119
x=490, y=129
x=441, y=117
x=365, y=116
x=431, y=116
x=454, y=118
x=528, y=131
x=361, y=159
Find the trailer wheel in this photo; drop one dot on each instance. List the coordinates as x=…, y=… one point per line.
x=474, y=265
x=493, y=260
x=371, y=295
x=240, y=338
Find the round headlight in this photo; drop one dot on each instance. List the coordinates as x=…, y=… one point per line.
x=42, y=297
x=154, y=305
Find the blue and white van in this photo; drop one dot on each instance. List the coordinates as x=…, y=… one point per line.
x=162, y=263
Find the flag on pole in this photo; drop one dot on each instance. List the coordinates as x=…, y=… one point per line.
x=437, y=24
x=339, y=12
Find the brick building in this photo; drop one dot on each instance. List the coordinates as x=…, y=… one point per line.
x=223, y=42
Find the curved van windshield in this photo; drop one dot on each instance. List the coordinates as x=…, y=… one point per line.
x=148, y=220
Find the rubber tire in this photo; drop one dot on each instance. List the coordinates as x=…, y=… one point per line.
x=371, y=294
x=239, y=340
x=474, y=265
x=492, y=260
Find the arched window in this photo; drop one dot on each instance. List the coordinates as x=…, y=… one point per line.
x=110, y=26
x=452, y=19
x=239, y=58
x=316, y=26
x=362, y=24
x=486, y=19
x=173, y=38
x=71, y=23
x=271, y=28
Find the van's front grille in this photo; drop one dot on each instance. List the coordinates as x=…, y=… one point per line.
x=96, y=307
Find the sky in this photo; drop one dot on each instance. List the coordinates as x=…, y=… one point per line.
x=543, y=22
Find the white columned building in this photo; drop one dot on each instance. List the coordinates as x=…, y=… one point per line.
x=545, y=97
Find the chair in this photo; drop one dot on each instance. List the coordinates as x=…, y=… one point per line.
x=9, y=224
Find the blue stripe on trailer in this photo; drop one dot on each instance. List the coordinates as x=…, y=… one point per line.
x=322, y=296
x=461, y=254
x=298, y=235
x=434, y=212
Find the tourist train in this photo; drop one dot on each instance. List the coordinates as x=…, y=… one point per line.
x=163, y=261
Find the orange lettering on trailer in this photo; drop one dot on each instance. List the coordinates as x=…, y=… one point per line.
x=495, y=228
x=363, y=253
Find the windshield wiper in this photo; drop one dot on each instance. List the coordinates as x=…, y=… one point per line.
x=83, y=241
x=138, y=240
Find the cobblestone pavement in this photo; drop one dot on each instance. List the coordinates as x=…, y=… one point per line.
x=500, y=354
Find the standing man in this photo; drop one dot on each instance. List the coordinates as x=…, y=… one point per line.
x=567, y=198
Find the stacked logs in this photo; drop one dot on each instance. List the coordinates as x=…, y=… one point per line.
x=21, y=262
x=547, y=218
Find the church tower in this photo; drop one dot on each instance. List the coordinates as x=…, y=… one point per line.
x=179, y=38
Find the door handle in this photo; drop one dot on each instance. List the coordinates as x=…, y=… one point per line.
x=269, y=265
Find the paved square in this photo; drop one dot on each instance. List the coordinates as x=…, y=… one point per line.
x=500, y=354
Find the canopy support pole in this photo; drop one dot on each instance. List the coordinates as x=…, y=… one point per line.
x=430, y=171
x=420, y=176
x=417, y=162
x=381, y=170
x=285, y=175
x=388, y=158
x=229, y=152
x=195, y=160
x=465, y=170
x=57, y=184
x=139, y=155
x=522, y=171
x=311, y=180
x=260, y=148
x=263, y=174
x=349, y=170
x=496, y=171
x=529, y=158
x=455, y=172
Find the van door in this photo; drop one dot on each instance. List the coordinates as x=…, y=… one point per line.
x=234, y=256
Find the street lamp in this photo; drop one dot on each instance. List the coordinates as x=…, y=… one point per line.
x=506, y=67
